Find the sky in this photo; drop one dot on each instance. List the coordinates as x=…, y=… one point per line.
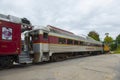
x=77, y=16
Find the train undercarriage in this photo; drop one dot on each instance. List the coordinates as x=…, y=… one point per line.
x=7, y=61
x=63, y=56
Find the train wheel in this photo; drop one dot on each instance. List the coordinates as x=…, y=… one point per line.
x=58, y=57
x=53, y=58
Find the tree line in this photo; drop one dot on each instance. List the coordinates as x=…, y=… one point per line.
x=108, y=40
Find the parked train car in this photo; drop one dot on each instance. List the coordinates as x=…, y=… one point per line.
x=51, y=43
x=11, y=28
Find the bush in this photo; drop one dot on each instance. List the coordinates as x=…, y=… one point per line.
x=113, y=47
x=118, y=47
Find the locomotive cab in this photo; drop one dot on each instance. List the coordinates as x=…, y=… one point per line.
x=36, y=45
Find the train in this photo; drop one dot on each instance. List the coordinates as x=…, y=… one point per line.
x=48, y=43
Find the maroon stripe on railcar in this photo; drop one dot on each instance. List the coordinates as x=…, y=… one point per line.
x=51, y=39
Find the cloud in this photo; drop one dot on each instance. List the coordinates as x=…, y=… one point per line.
x=78, y=16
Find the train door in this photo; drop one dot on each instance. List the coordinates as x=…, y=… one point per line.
x=40, y=46
x=32, y=41
x=45, y=46
x=45, y=43
x=28, y=42
x=36, y=41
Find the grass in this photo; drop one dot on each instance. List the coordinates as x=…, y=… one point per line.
x=117, y=51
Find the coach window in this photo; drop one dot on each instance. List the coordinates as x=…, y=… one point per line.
x=88, y=44
x=95, y=45
x=45, y=35
x=75, y=42
x=81, y=43
x=62, y=40
x=69, y=41
x=85, y=44
x=35, y=36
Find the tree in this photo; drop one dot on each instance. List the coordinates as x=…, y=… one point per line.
x=94, y=35
x=118, y=39
x=108, y=40
x=113, y=46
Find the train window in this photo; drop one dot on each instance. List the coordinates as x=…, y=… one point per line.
x=85, y=44
x=69, y=41
x=62, y=40
x=98, y=45
x=92, y=44
x=88, y=44
x=75, y=42
x=81, y=43
x=35, y=36
x=6, y=33
x=95, y=45
x=45, y=35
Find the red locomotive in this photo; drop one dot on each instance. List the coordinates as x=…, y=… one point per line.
x=44, y=44
x=10, y=38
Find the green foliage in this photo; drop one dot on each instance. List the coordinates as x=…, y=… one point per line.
x=117, y=43
x=118, y=47
x=108, y=40
x=94, y=35
x=117, y=50
x=113, y=46
x=118, y=39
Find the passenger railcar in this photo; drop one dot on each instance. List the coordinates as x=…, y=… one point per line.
x=54, y=43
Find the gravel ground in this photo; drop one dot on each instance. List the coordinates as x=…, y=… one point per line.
x=101, y=67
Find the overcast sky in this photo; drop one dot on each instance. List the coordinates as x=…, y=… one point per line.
x=77, y=16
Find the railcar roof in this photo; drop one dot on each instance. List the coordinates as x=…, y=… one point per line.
x=10, y=18
x=66, y=33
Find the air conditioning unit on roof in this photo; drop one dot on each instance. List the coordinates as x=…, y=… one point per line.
x=4, y=17
x=14, y=19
